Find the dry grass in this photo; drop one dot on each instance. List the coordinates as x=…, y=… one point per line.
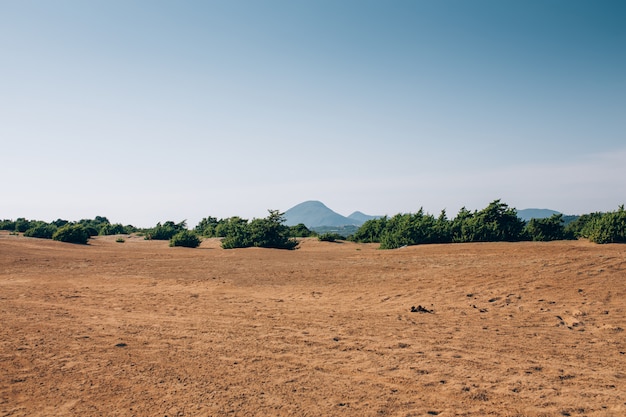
x=516, y=329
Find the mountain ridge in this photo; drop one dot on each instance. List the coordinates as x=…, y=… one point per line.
x=535, y=213
x=315, y=214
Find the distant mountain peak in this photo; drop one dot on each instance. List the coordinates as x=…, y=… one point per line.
x=314, y=213
x=362, y=217
x=311, y=203
x=535, y=213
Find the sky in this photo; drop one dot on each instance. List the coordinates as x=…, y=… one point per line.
x=148, y=111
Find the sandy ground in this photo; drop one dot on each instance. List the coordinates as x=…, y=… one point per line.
x=141, y=329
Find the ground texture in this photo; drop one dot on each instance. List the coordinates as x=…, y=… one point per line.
x=141, y=329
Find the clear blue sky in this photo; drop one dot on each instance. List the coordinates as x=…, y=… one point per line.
x=146, y=111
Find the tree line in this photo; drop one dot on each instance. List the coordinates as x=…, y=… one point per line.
x=496, y=222
x=235, y=232
x=66, y=231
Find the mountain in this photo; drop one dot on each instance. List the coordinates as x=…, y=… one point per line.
x=534, y=213
x=316, y=214
x=362, y=218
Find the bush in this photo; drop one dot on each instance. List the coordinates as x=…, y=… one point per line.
x=371, y=231
x=93, y=226
x=60, y=222
x=410, y=229
x=72, y=233
x=235, y=233
x=495, y=223
x=165, y=231
x=41, y=230
x=609, y=228
x=22, y=225
x=269, y=232
x=185, y=238
x=583, y=225
x=546, y=229
x=330, y=237
x=207, y=227
x=300, y=230
x=7, y=225
x=114, y=229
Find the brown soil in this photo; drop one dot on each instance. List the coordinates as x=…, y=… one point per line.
x=141, y=329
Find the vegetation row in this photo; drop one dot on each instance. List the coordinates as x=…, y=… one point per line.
x=496, y=222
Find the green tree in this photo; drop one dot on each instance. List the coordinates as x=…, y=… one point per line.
x=60, y=222
x=22, y=225
x=330, y=237
x=410, y=229
x=114, y=229
x=583, y=225
x=546, y=229
x=495, y=223
x=443, y=229
x=41, y=230
x=235, y=233
x=371, y=231
x=207, y=227
x=7, y=225
x=609, y=228
x=300, y=230
x=185, y=238
x=165, y=231
x=270, y=232
x=461, y=228
x=72, y=233
x=93, y=226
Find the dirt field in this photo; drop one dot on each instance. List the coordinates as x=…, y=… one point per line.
x=141, y=329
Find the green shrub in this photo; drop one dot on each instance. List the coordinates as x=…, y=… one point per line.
x=108, y=229
x=22, y=225
x=231, y=226
x=120, y=240
x=165, y=231
x=495, y=223
x=185, y=238
x=300, y=230
x=60, y=222
x=93, y=226
x=238, y=239
x=609, y=228
x=72, y=233
x=269, y=232
x=207, y=227
x=371, y=231
x=546, y=229
x=235, y=233
x=41, y=230
x=330, y=237
x=7, y=225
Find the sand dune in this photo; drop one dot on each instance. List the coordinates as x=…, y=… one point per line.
x=141, y=329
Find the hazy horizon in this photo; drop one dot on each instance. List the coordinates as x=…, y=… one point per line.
x=151, y=111
x=191, y=224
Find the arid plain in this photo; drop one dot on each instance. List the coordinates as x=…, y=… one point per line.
x=142, y=329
